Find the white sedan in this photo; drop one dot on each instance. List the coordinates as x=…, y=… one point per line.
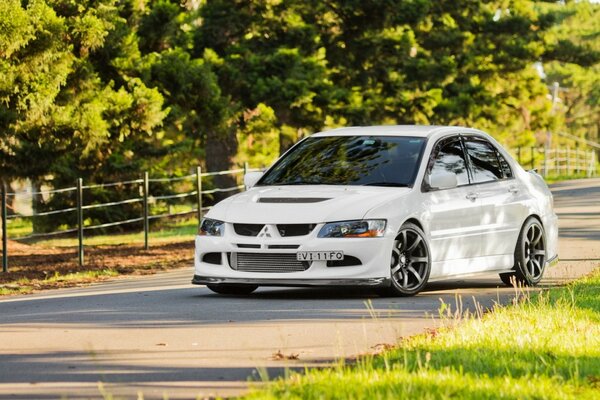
x=390, y=207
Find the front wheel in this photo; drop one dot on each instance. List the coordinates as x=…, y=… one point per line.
x=530, y=256
x=410, y=262
x=232, y=289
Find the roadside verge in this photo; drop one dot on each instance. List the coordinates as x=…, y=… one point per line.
x=544, y=345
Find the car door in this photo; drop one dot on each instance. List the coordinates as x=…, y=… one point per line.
x=454, y=213
x=501, y=200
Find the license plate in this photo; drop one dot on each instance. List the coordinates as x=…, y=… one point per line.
x=319, y=255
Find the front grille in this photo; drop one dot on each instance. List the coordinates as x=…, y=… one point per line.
x=247, y=229
x=266, y=262
x=285, y=230
x=295, y=229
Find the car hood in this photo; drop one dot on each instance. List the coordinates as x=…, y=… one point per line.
x=302, y=204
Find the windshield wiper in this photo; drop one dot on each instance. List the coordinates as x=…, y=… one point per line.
x=392, y=184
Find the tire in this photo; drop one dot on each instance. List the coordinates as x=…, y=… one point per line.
x=530, y=255
x=233, y=289
x=410, y=263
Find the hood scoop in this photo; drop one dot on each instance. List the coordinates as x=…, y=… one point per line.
x=292, y=199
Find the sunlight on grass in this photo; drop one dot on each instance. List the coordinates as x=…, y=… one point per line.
x=19, y=227
x=543, y=347
x=82, y=276
x=26, y=285
x=561, y=178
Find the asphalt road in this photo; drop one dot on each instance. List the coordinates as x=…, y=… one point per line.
x=161, y=335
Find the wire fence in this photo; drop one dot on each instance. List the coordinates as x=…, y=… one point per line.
x=146, y=199
x=558, y=161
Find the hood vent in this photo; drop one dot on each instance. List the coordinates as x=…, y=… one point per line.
x=292, y=199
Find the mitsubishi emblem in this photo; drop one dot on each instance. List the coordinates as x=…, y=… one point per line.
x=265, y=232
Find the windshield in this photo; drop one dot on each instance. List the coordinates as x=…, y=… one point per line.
x=349, y=160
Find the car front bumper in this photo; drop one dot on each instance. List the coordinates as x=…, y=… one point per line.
x=374, y=254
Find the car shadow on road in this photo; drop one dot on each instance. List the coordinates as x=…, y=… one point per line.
x=192, y=306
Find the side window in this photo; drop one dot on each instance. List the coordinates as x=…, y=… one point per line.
x=505, y=166
x=484, y=163
x=449, y=156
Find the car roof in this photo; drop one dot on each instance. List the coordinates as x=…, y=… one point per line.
x=395, y=130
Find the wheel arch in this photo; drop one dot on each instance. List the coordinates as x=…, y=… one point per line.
x=415, y=221
x=533, y=215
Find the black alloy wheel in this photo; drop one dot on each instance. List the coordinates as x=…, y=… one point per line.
x=530, y=256
x=410, y=262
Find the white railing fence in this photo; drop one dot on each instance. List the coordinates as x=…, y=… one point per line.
x=565, y=161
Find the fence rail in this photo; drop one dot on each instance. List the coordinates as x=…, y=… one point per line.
x=146, y=200
x=558, y=161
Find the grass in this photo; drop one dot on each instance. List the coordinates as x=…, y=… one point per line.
x=561, y=178
x=175, y=231
x=545, y=346
x=53, y=263
x=19, y=227
x=27, y=285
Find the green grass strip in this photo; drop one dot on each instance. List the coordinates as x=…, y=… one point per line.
x=545, y=346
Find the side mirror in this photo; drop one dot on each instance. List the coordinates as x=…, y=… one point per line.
x=251, y=178
x=443, y=180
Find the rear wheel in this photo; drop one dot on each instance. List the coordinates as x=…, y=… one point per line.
x=232, y=289
x=410, y=262
x=530, y=256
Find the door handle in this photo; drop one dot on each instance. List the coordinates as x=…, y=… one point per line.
x=472, y=196
x=513, y=189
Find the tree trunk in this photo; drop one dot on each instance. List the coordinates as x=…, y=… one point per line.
x=37, y=203
x=221, y=148
x=285, y=141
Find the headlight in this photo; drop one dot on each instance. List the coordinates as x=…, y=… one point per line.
x=211, y=227
x=354, y=229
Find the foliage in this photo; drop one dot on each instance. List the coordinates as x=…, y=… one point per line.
x=575, y=49
x=104, y=89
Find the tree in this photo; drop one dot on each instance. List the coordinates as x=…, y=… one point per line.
x=573, y=60
x=268, y=55
x=442, y=62
x=60, y=107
